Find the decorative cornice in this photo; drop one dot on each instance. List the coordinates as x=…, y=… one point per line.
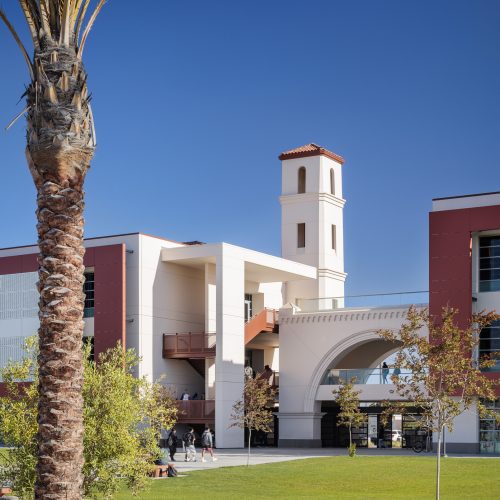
x=331, y=273
x=304, y=197
x=346, y=315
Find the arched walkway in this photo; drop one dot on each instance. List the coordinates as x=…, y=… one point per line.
x=340, y=352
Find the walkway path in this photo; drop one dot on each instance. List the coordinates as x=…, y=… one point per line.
x=228, y=458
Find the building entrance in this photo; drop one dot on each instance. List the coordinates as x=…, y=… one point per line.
x=395, y=431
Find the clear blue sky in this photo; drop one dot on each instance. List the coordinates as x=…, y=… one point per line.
x=195, y=100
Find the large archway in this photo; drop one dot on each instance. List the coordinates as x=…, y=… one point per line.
x=365, y=347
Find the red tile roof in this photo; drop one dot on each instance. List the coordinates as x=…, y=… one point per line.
x=310, y=150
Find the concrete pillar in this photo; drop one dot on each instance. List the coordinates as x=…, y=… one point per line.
x=210, y=326
x=230, y=347
x=300, y=430
x=210, y=298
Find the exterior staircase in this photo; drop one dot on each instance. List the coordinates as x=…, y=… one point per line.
x=265, y=321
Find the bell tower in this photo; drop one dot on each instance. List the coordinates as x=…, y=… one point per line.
x=312, y=229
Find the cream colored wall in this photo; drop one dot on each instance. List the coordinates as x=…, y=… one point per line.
x=171, y=300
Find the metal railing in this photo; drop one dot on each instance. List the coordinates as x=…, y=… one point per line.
x=361, y=301
x=189, y=344
x=195, y=410
x=363, y=376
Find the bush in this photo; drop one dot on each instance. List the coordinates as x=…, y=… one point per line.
x=123, y=416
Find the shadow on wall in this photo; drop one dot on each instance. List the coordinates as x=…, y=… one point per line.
x=178, y=306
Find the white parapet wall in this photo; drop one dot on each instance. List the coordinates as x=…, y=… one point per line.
x=310, y=344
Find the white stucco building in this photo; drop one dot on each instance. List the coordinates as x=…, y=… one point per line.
x=198, y=313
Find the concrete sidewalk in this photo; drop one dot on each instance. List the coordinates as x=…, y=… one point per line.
x=231, y=458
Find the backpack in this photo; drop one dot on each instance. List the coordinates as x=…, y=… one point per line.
x=205, y=440
x=170, y=441
x=188, y=438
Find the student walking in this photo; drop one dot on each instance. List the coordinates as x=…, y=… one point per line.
x=207, y=444
x=172, y=443
x=188, y=439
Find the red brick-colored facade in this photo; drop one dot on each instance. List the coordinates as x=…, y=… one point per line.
x=110, y=288
x=450, y=258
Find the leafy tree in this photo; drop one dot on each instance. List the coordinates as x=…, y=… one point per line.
x=60, y=145
x=253, y=410
x=123, y=417
x=350, y=415
x=446, y=377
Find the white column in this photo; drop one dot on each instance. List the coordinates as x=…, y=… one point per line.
x=230, y=347
x=300, y=430
x=210, y=326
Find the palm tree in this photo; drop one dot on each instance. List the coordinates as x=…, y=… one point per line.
x=60, y=146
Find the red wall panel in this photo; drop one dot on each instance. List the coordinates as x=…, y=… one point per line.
x=110, y=287
x=450, y=259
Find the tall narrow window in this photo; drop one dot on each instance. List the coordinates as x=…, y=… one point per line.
x=332, y=181
x=302, y=180
x=489, y=264
x=88, y=290
x=489, y=345
x=334, y=237
x=301, y=235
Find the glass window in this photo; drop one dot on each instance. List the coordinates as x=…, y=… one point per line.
x=334, y=237
x=301, y=180
x=88, y=290
x=301, y=235
x=489, y=343
x=248, y=306
x=332, y=181
x=489, y=264
x=489, y=430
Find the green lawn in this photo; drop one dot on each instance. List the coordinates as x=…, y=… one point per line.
x=338, y=477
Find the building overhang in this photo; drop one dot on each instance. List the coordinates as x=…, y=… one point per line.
x=259, y=267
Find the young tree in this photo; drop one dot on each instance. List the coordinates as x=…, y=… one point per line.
x=253, y=411
x=350, y=415
x=446, y=377
x=123, y=418
x=60, y=145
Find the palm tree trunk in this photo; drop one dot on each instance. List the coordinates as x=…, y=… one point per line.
x=60, y=418
x=59, y=152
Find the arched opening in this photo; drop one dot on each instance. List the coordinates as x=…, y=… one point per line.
x=301, y=180
x=370, y=364
x=332, y=181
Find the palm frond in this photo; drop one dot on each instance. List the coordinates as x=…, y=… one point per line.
x=64, y=37
x=25, y=110
x=45, y=17
x=80, y=18
x=54, y=17
x=31, y=19
x=19, y=43
x=91, y=22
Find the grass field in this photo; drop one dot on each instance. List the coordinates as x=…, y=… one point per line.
x=338, y=477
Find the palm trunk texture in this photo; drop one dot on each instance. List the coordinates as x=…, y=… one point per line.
x=59, y=151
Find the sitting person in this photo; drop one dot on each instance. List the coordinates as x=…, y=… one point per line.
x=171, y=470
x=163, y=459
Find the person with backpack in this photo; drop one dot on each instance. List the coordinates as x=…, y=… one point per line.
x=207, y=444
x=188, y=439
x=172, y=443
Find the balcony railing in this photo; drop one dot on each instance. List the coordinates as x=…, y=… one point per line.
x=189, y=345
x=363, y=376
x=196, y=411
x=363, y=301
x=265, y=321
